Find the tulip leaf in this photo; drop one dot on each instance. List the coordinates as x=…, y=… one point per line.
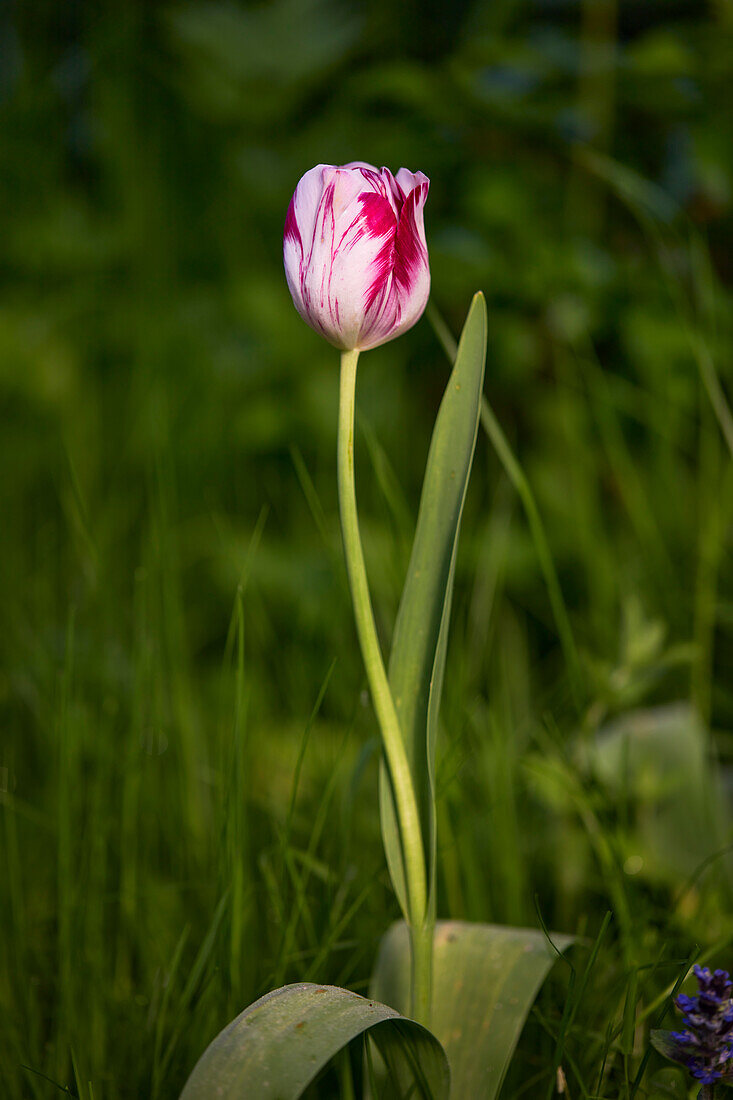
x=278, y=1046
x=485, y=980
x=421, y=631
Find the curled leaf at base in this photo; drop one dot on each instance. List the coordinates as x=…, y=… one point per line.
x=280, y=1044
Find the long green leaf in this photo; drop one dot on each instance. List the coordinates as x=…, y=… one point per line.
x=419, y=646
x=277, y=1047
x=516, y=475
x=485, y=980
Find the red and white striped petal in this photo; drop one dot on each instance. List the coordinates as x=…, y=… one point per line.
x=355, y=255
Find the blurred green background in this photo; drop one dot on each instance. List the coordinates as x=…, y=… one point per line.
x=184, y=822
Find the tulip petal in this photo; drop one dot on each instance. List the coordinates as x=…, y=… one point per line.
x=364, y=233
x=304, y=205
x=407, y=181
x=298, y=235
x=401, y=284
x=411, y=252
x=322, y=312
x=375, y=180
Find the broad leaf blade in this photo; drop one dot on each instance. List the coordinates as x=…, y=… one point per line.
x=278, y=1046
x=485, y=980
x=418, y=650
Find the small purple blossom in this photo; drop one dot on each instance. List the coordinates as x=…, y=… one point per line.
x=706, y=1044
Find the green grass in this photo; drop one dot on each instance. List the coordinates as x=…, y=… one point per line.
x=188, y=762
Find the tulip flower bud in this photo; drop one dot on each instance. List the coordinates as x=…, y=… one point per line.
x=355, y=255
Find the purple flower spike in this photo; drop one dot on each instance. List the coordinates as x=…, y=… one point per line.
x=355, y=255
x=706, y=1046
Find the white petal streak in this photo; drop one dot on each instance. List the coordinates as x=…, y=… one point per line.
x=306, y=200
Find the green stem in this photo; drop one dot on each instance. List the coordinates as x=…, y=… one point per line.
x=421, y=945
x=408, y=815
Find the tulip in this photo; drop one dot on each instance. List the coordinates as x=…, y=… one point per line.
x=357, y=267
x=355, y=255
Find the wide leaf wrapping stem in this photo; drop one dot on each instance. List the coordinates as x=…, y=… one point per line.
x=419, y=642
x=394, y=749
x=485, y=980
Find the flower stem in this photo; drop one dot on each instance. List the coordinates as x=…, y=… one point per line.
x=421, y=990
x=707, y=1092
x=408, y=816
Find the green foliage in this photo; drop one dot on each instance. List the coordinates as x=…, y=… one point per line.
x=657, y=762
x=486, y=979
x=417, y=658
x=171, y=583
x=278, y=1046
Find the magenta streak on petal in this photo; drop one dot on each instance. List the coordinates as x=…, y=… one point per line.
x=378, y=215
x=384, y=263
x=292, y=232
x=377, y=218
x=408, y=250
x=396, y=268
x=398, y=195
x=373, y=178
